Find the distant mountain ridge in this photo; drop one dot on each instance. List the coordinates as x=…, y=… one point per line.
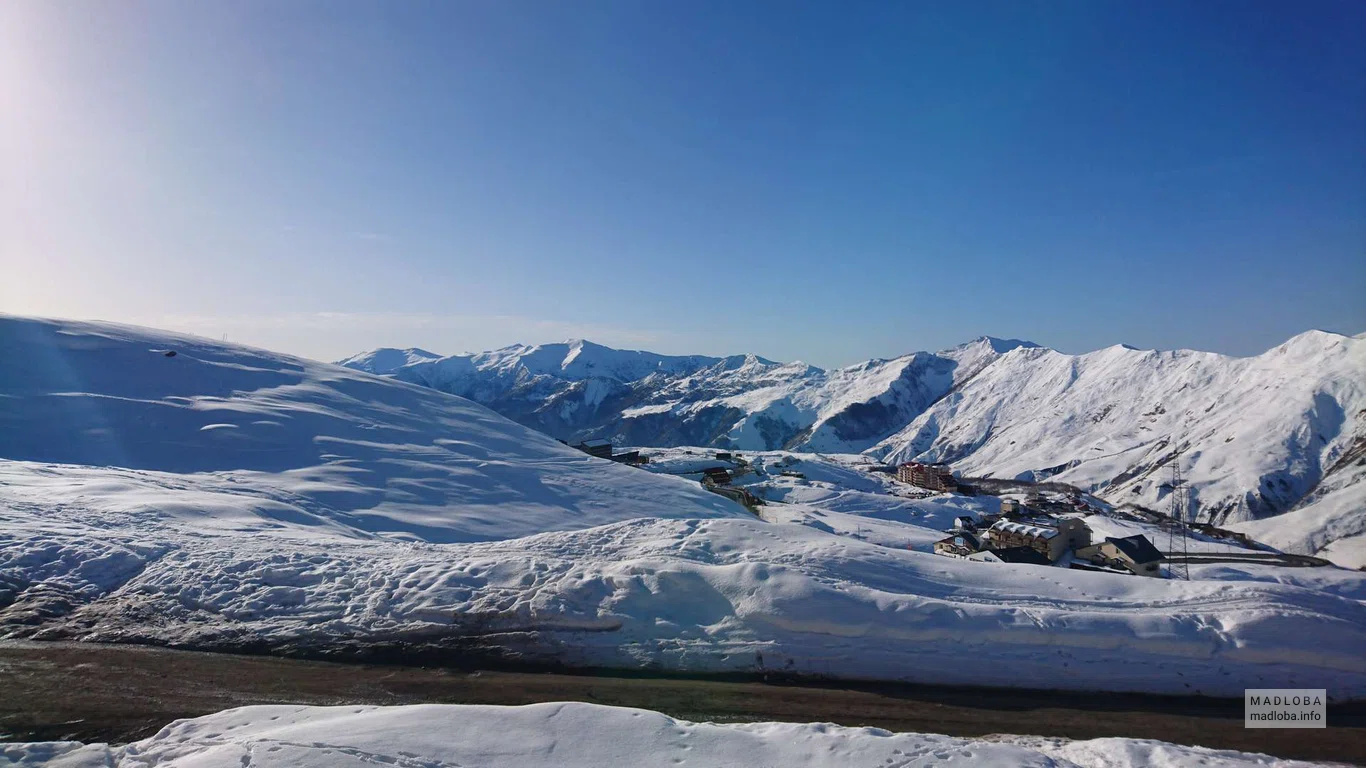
x=1260, y=436
x=578, y=389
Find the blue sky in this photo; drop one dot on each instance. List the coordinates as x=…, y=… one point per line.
x=817, y=181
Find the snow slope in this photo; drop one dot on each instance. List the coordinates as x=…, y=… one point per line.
x=241, y=439
x=572, y=734
x=1330, y=521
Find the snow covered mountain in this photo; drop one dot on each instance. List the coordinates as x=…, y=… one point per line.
x=1260, y=436
x=386, y=359
x=578, y=390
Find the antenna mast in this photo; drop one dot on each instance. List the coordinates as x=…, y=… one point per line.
x=1178, y=551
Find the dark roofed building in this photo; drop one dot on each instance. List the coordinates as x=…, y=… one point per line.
x=716, y=476
x=630, y=457
x=598, y=447
x=1026, y=555
x=1136, y=553
x=1137, y=548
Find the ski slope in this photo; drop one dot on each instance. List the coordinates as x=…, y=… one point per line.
x=574, y=735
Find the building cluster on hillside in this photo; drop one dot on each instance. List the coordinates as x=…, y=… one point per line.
x=1018, y=535
x=718, y=481
x=716, y=476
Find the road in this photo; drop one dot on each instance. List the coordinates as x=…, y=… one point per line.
x=51, y=691
x=1255, y=558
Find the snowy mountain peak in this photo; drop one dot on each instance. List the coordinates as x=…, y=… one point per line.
x=746, y=362
x=576, y=348
x=387, y=359
x=1120, y=349
x=999, y=346
x=1319, y=339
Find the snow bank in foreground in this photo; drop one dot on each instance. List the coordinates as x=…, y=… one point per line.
x=566, y=735
x=698, y=595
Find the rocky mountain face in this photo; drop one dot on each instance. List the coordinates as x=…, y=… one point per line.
x=1257, y=436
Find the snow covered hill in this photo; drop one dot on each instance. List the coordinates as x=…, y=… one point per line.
x=577, y=735
x=230, y=437
x=1260, y=436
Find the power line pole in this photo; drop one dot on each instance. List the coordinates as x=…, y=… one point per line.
x=1178, y=551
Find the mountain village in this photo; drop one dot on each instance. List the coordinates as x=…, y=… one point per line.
x=1017, y=534
x=1027, y=529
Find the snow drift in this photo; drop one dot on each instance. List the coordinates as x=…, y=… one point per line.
x=569, y=735
x=689, y=595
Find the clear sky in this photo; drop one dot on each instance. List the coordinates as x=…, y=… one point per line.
x=819, y=181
